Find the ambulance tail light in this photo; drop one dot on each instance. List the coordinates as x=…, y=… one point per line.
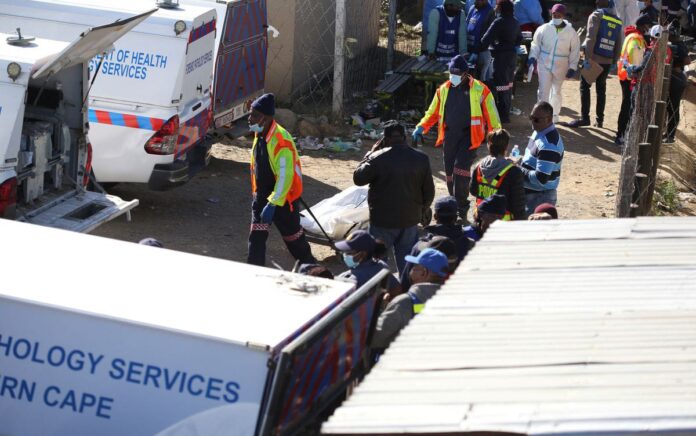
x=8, y=198
x=165, y=139
x=88, y=165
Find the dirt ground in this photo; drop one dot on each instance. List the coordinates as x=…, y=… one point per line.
x=210, y=215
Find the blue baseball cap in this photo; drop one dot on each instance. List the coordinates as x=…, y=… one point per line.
x=435, y=261
x=359, y=240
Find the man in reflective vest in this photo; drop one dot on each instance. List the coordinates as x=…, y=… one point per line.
x=446, y=31
x=603, y=46
x=632, y=52
x=276, y=184
x=464, y=110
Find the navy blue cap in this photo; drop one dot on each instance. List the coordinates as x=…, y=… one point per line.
x=435, y=261
x=458, y=65
x=446, y=206
x=644, y=20
x=265, y=104
x=359, y=240
x=495, y=204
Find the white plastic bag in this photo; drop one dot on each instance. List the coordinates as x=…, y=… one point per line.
x=339, y=215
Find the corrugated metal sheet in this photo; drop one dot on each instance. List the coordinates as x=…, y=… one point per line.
x=548, y=327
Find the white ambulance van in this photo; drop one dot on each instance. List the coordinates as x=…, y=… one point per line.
x=45, y=154
x=241, y=47
x=115, y=349
x=150, y=103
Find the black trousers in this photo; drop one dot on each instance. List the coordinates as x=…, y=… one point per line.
x=288, y=223
x=601, y=87
x=677, y=85
x=458, y=162
x=503, y=78
x=626, y=107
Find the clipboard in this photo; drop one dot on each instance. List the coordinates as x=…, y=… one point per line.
x=591, y=74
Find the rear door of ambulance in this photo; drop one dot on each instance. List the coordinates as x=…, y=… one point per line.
x=240, y=67
x=196, y=102
x=86, y=210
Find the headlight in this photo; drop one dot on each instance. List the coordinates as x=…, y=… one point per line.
x=179, y=27
x=13, y=70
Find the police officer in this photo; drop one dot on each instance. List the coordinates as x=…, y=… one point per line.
x=446, y=31
x=276, y=183
x=464, y=109
x=603, y=46
x=502, y=38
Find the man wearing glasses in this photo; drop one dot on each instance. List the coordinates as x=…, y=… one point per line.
x=541, y=164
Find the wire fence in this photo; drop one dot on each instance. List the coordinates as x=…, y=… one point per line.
x=365, y=50
x=644, y=135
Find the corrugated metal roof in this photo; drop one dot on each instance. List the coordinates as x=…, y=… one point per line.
x=548, y=327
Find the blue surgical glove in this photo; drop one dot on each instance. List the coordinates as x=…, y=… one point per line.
x=417, y=134
x=267, y=213
x=631, y=69
x=586, y=65
x=531, y=61
x=570, y=74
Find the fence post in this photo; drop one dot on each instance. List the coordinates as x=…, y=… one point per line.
x=660, y=114
x=339, y=59
x=391, y=35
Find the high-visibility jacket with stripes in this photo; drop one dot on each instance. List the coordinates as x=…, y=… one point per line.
x=632, y=52
x=285, y=164
x=484, y=114
x=487, y=188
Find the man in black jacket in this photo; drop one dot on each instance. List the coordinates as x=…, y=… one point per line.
x=401, y=190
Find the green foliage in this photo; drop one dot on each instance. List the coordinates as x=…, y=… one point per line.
x=666, y=198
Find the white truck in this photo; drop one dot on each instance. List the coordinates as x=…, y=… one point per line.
x=150, y=103
x=241, y=46
x=45, y=154
x=113, y=349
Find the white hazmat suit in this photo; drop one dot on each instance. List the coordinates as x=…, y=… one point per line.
x=628, y=11
x=556, y=51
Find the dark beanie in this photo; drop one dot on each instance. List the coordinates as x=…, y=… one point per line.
x=495, y=204
x=265, y=104
x=644, y=20
x=458, y=65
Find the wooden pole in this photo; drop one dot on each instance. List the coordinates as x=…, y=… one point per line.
x=339, y=59
x=642, y=175
x=391, y=34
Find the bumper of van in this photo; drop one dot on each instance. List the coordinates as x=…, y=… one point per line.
x=168, y=176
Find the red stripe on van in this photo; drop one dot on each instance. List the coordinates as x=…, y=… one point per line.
x=131, y=121
x=103, y=117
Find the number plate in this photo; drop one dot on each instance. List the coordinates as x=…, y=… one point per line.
x=236, y=113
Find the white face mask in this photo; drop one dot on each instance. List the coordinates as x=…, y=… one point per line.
x=557, y=21
x=455, y=79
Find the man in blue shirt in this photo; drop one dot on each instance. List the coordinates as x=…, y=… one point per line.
x=479, y=19
x=446, y=31
x=528, y=13
x=541, y=164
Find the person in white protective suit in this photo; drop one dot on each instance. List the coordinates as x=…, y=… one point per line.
x=628, y=11
x=555, y=51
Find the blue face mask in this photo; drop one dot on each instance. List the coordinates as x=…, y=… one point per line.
x=349, y=260
x=256, y=128
x=455, y=79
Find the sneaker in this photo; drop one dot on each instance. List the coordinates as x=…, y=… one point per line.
x=599, y=124
x=619, y=140
x=668, y=140
x=516, y=111
x=578, y=123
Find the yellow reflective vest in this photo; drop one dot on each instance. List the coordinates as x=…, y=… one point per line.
x=484, y=114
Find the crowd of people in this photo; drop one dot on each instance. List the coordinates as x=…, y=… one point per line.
x=469, y=110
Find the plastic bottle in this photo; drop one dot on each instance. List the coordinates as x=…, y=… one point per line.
x=530, y=73
x=515, y=151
